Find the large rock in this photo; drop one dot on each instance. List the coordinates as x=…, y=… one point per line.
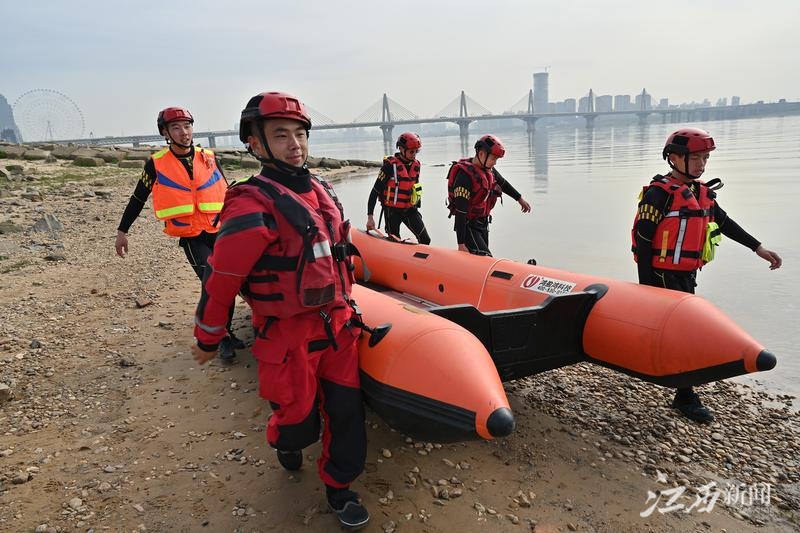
x=111, y=156
x=232, y=160
x=6, y=393
x=7, y=227
x=48, y=223
x=131, y=163
x=88, y=162
x=35, y=155
x=84, y=152
x=64, y=151
x=327, y=162
x=14, y=151
x=138, y=155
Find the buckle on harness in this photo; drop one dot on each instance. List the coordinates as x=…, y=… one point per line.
x=326, y=318
x=339, y=251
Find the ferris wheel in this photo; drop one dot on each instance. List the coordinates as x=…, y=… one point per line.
x=47, y=115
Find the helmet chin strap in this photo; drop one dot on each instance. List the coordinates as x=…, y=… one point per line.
x=170, y=140
x=685, y=172
x=271, y=160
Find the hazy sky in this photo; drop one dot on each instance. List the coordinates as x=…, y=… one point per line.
x=121, y=61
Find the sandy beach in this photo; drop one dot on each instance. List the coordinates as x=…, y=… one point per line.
x=108, y=425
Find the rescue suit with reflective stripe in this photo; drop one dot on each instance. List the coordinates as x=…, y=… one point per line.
x=283, y=244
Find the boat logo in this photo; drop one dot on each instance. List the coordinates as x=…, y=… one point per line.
x=537, y=283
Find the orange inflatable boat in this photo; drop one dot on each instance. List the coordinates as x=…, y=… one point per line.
x=533, y=318
x=427, y=377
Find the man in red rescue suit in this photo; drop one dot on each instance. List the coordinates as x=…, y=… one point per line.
x=678, y=223
x=473, y=187
x=284, y=244
x=188, y=188
x=399, y=190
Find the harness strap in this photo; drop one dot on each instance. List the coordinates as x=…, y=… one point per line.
x=244, y=222
x=326, y=319
x=684, y=212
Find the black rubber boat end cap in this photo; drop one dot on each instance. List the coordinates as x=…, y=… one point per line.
x=501, y=422
x=766, y=361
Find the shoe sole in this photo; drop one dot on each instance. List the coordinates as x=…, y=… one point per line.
x=349, y=527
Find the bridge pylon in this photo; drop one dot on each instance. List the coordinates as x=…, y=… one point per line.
x=387, y=134
x=386, y=114
x=463, y=130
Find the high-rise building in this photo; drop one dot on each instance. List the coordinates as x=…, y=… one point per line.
x=8, y=128
x=603, y=102
x=622, y=102
x=734, y=100
x=541, y=95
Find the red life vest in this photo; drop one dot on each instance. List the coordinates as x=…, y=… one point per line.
x=680, y=236
x=309, y=267
x=484, y=193
x=188, y=205
x=400, y=183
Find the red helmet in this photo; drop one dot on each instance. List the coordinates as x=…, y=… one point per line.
x=172, y=114
x=409, y=141
x=272, y=105
x=490, y=144
x=688, y=141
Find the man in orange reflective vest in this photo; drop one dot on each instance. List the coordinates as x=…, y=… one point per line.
x=678, y=223
x=284, y=245
x=188, y=188
x=399, y=190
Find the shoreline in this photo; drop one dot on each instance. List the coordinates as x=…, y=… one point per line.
x=108, y=423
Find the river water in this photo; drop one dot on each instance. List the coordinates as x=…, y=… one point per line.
x=583, y=185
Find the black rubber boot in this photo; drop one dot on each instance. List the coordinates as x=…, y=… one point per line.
x=227, y=355
x=290, y=460
x=692, y=408
x=348, y=508
x=238, y=344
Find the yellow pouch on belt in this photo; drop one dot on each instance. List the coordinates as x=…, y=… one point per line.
x=713, y=238
x=416, y=194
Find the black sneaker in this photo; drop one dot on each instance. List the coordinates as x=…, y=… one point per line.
x=238, y=344
x=226, y=353
x=692, y=408
x=290, y=460
x=348, y=508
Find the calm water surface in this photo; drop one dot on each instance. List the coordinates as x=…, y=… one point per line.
x=583, y=185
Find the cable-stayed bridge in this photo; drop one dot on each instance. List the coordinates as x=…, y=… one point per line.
x=386, y=113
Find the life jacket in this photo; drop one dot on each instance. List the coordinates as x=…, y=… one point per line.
x=484, y=193
x=687, y=234
x=401, y=184
x=309, y=267
x=188, y=205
